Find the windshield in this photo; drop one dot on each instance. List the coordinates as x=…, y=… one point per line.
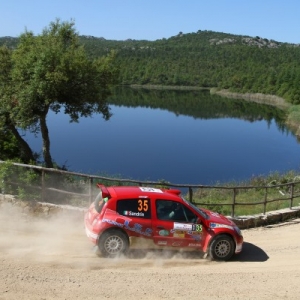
x=200, y=211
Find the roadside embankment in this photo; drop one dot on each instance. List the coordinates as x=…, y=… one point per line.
x=270, y=218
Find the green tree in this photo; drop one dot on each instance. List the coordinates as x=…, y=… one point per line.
x=12, y=144
x=52, y=71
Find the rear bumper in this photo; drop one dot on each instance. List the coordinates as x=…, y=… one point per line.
x=93, y=236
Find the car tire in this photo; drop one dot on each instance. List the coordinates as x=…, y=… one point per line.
x=113, y=243
x=221, y=248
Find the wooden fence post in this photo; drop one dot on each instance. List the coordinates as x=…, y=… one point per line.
x=91, y=189
x=233, y=203
x=43, y=185
x=292, y=195
x=265, y=200
x=190, y=194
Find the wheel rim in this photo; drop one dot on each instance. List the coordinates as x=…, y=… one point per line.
x=113, y=244
x=223, y=248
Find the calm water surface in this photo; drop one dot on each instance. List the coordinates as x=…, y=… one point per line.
x=153, y=144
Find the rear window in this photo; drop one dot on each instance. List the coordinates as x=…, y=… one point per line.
x=99, y=202
x=138, y=208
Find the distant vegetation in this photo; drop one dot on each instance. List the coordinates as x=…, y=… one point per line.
x=204, y=59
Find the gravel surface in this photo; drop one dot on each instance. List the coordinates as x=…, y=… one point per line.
x=53, y=259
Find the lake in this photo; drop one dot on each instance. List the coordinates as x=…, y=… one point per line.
x=177, y=136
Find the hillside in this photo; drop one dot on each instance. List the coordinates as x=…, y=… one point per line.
x=204, y=59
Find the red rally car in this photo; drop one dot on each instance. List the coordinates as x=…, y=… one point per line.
x=123, y=217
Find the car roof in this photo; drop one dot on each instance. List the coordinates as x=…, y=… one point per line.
x=139, y=191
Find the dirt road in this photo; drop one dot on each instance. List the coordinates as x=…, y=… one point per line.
x=52, y=259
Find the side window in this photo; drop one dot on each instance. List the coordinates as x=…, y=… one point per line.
x=191, y=217
x=169, y=210
x=138, y=208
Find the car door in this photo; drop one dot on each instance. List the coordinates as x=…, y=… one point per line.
x=174, y=225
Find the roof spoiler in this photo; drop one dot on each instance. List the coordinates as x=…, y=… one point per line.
x=103, y=188
x=174, y=191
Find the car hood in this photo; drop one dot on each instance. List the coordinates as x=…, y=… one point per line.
x=216, y=218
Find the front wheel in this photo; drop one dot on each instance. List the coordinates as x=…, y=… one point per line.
x=113, y=243
x=221, y=248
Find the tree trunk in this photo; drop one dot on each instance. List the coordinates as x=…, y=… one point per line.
x=27, y=156
x=46, y=142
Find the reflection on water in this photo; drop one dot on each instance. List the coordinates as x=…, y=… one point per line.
x=179, y=136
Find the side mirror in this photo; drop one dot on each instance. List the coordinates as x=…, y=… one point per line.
x=198, y=221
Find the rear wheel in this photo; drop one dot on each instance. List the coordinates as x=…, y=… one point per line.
x=221, y=247
x=113, y=243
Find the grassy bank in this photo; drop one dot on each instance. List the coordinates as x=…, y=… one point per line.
x=253, y=196
x=168, y=87
x=293, y=111
x=293, y=119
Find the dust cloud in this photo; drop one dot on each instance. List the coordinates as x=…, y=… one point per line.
x=50, y=238
x=60, y=239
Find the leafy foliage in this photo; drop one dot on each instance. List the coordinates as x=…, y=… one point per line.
x=51, y=71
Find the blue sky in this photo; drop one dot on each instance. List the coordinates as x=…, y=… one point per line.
x=155, y=19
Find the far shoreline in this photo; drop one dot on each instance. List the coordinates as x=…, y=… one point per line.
x=293, y=117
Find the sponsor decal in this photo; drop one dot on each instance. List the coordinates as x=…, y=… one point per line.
x=136, y=227
x=133, y=213
x=162, y=243
x=197, y=237
x=217, y=225
x=151, y=190
x=214, y=214
x=179, y=233
x=194, y=245
x=194, y=232
x=197, y=227
x=176, y=244
x=164, y=232
x=111, y=222
x=183, y=226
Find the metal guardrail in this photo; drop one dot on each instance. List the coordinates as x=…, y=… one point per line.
x=90, y=180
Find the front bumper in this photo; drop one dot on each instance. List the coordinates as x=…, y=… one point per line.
x=239, y=244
